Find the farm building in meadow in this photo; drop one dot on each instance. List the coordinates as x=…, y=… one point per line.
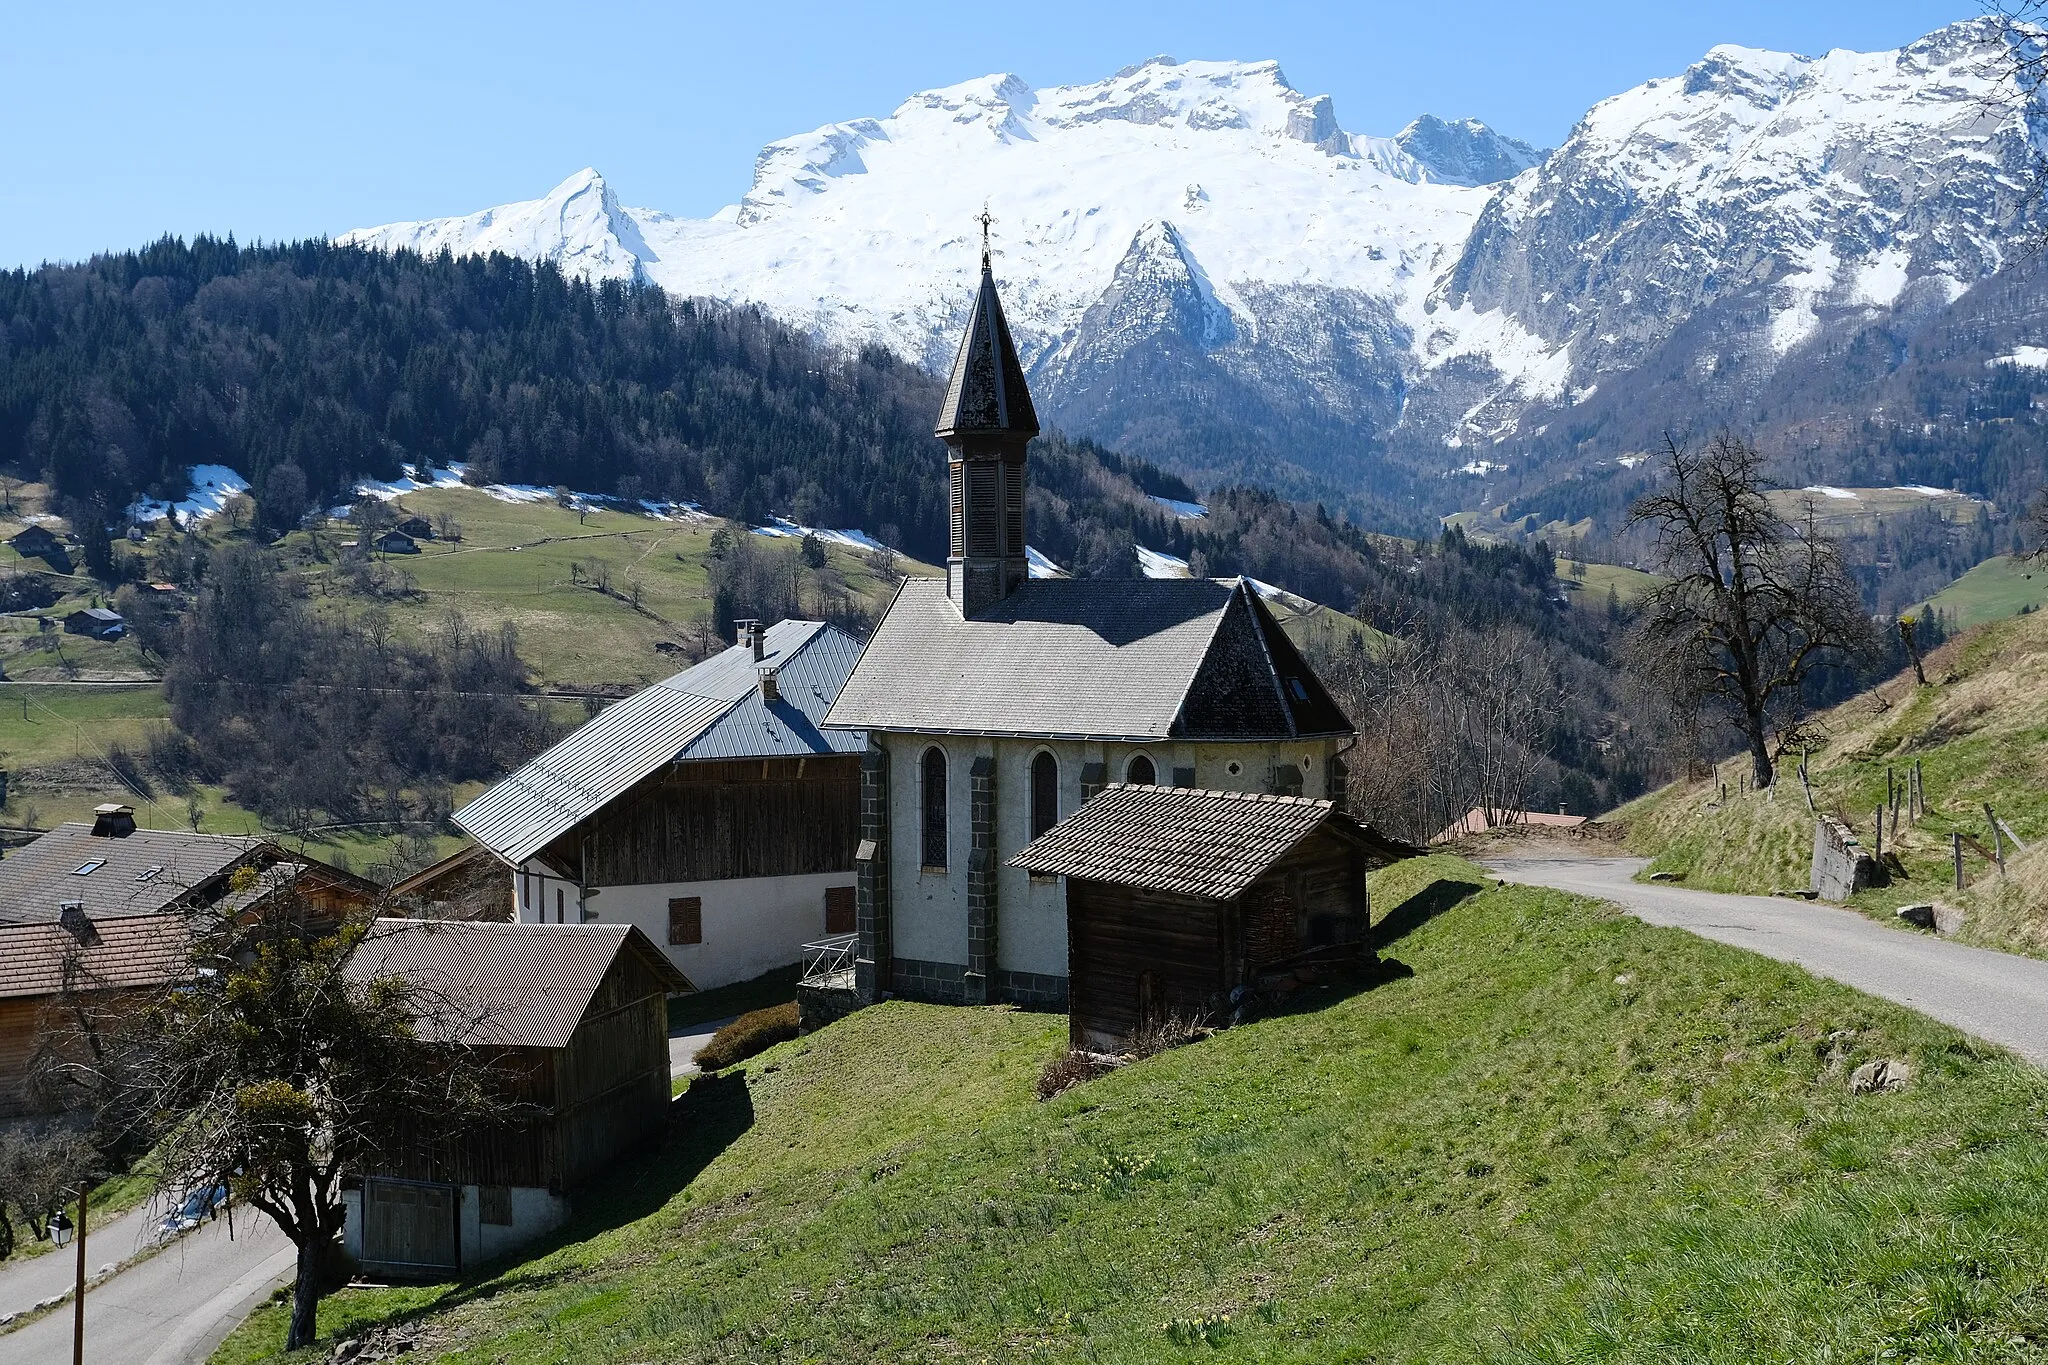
x=396, y=543
x=101, y=623
x=94, y=915
x=36, y=541
x=1178, y=902
x=575, y=1019
x=709, y=810
x=996, y=704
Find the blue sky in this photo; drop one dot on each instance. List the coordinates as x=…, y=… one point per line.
x=119, y=122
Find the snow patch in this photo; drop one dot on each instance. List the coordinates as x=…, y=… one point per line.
x=212, y=486
x=2026, y=357
x=1294, y=602
x=1828, y=490
x=847, y=540
x=1040, y=566
x=1186, y=511
x=1630, y=461
x=1481, y=468
x=1924, y=491
x=1157, y=565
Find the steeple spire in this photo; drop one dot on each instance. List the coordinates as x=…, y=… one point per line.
x=987, y=419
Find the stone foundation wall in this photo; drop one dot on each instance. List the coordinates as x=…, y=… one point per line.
x=1841, y=865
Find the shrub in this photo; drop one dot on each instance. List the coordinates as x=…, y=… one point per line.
x=750, y=1033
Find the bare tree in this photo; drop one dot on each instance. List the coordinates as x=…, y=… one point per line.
x=1755, y=603
x=2036, y=526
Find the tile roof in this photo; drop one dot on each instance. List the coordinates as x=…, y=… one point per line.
x=503, y=985
x=107, y=954
x=1088, y=659
x=139, y=873
x=1191, y=843
x=713, y=710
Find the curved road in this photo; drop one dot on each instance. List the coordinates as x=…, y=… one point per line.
x=1996, y=996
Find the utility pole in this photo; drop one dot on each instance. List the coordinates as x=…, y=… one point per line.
x=78, y=1293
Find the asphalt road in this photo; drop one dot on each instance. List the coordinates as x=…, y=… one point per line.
x=28, y=1282
x=1995, y=996
x=174, y=1307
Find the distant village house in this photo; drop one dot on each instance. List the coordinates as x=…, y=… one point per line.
x=101, y=623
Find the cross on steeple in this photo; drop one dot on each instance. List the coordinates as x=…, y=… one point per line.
x=987, y=222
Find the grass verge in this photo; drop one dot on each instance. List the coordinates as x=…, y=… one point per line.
x=1566, y=1136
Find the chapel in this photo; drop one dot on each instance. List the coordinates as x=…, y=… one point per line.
x=995, y=704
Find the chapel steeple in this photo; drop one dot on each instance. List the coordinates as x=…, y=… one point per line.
x=987, y=419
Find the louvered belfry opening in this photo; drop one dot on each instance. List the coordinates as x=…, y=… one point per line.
x=988, y=420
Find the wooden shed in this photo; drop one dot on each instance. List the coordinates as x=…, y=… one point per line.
x=1176, y=899
x=575, y=1018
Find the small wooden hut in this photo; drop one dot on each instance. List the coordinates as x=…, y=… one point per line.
x=1178, y=900
x=575, y=1017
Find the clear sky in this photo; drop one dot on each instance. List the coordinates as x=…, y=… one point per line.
x=119, y=122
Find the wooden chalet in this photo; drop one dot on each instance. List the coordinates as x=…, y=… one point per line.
x=102, y=623
x=469, y=883
x=709, y=810
x=1179, y=902
x=94, y=917
x=575, y=1017
x=396, y=543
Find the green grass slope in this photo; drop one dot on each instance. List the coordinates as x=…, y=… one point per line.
x=1979, y=734
x=2007, y=585
x=1567, y=1136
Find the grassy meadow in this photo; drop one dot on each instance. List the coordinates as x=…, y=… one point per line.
x=2005, y=586
x=1980, y=735
x=1564, y=1135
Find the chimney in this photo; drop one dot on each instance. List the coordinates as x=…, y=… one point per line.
x=771, y=690
x=753, y=637
x=113, y=821
x=71, y=914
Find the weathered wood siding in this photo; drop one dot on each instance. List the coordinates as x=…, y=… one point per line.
x=612, y=1080
x=713, y=820
x=19, y=1020
x=1130, y=952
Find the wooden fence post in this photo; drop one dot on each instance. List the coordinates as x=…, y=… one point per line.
x=1955, y=844
x=1997, y=843
x=1920, y=785
x=1879, y=853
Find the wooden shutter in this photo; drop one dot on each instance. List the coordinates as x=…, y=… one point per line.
x=494, y=1205
x=839, y=910
x=982, y=492
x=959, y=500
x=686, y=920
x=1013, y=506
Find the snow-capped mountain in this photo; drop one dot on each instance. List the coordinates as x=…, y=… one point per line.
x=1201, y=265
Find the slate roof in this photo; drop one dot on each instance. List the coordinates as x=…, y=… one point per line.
x=108, y=954
x=986, y=394
x=139, y=873
x=1190, y=843
x=1142, y=659
x=711, y=711
x=503, y=985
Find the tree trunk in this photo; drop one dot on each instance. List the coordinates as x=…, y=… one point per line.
x=305, y=1298
x=1759, y=756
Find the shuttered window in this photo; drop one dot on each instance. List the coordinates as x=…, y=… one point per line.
x=959, y=498
x=982, y=491
x=1013, y=506
x=686, y=920
x=1045, y=793
x=839, y=910
x=494, y=1205
x=934, y=793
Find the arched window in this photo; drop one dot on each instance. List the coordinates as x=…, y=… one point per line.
x=1045, y=793
x=934, y=807
x=1141, y=773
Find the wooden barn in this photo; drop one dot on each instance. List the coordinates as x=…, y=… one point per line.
x=1176, y=899
x=576, y=1019
x=709, y=810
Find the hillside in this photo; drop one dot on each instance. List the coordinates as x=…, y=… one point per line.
x=1566, y=1136
x=1979, y=734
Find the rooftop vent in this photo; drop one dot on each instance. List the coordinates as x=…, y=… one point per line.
x=71, y=914
x=754, y=636
x=771, y=690
x=113, y=821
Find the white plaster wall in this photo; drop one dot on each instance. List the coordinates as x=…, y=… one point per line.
x=751, y=924
x=534, y=1212
x=536, y=894
x=930, y=909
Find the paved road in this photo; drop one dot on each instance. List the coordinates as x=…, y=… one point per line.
x=683, y=1047
x=1996, y=996
x=28, y=1282
x=170, y=1309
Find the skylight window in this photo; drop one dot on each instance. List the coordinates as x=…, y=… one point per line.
x=87, y=869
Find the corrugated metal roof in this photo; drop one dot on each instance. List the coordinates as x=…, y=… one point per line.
x=109, y=954
x=503, y=985
x=689, y=716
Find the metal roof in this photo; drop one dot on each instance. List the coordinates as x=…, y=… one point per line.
x=503, y=985
x=710, y=711
x=1192, y=843
x=141, y=872
x=1139, y=660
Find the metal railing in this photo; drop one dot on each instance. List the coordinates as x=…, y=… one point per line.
x=829, y=957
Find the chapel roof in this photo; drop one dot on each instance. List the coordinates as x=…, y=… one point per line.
x=986, y=394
